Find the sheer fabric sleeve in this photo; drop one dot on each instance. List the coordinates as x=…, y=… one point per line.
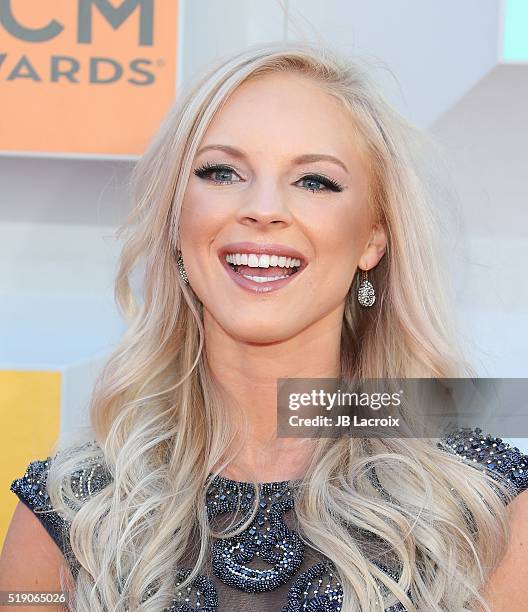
x=31, y=490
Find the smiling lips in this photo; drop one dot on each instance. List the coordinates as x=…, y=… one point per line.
x=270, y=267
x=261, y=268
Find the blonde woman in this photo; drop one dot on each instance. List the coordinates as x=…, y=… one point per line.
x=278, y=179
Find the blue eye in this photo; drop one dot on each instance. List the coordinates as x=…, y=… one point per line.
x=328, y=183
x=207, y=170
x=319, y=183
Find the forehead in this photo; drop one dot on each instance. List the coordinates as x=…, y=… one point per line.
x=287, y=113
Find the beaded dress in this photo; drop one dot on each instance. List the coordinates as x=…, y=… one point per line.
x=267, y=567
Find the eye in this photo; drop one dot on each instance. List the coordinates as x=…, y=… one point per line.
x=206, y=170
x=314, y=182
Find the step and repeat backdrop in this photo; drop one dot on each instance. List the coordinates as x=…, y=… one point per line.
x=84, y=84
x=77, y=75
x=79, y=79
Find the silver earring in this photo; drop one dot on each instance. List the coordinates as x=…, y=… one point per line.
x=181, y=268
x=366, y=295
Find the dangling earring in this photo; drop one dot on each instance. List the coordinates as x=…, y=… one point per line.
x=181, y=268
x=366, y=295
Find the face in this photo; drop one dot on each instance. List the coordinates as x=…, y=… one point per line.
x=275, y=219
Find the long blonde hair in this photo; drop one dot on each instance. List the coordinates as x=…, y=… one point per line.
x=161, y=424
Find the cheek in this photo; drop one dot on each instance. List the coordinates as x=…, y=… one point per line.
x=339, y=237
x=201, y=217
x=341, y=234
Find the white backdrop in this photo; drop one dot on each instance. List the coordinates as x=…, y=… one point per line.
x=439, y=64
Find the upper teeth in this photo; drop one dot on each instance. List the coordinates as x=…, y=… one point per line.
x=254, y=260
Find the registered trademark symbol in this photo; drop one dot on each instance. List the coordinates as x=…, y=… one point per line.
x=160, y=63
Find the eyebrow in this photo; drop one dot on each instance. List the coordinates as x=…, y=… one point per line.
x=301, y=159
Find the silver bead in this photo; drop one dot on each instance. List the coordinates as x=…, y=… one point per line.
x=181, y=268
x=366, y=295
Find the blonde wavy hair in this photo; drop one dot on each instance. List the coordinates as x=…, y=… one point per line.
x=162, y=425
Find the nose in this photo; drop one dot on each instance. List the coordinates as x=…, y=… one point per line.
x=265, y=205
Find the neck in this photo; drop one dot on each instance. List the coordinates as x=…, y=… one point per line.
x=248, y=374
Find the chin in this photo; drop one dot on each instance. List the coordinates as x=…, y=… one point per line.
x=255, y=331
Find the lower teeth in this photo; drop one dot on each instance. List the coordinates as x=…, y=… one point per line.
x=264, y=279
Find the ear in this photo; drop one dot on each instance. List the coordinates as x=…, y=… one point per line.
x=375, y=248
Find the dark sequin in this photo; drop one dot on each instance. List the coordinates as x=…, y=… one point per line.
x=316, y=590
x=31, y=489
x=267, y=537
x=200, y=595
x=500, y=458
x=319, y=590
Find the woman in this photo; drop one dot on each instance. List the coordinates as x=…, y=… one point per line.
x=280, y=178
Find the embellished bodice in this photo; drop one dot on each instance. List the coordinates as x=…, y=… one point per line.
x=267, y=566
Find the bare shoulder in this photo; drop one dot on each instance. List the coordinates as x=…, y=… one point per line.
x=506, y=588
x=31, y=559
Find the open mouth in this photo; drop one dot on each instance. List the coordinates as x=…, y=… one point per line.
x=263, y=268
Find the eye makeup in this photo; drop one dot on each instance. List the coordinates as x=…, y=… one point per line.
x=207, y=169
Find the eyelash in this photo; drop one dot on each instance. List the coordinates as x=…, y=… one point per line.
x=206, y=169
